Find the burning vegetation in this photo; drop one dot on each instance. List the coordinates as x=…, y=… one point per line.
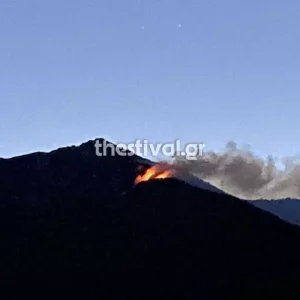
x=158, y=171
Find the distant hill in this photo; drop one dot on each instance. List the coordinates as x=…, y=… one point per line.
x=287, y=209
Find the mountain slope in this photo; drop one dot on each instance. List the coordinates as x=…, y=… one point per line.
x=73, y=221
x=218, y=240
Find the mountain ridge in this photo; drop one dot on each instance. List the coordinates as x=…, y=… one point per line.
x=287, y=209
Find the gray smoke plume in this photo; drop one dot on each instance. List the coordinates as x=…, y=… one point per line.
x=243, y=174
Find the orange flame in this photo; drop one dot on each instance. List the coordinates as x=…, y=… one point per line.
x=158, y=171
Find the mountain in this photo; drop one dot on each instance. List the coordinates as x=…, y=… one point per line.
x=73, y=224
x=35, y=178
x=287, y=209
x=196, y=182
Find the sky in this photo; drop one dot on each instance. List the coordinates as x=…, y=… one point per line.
x=206, y=71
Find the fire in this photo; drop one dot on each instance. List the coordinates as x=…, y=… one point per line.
x=158, y=171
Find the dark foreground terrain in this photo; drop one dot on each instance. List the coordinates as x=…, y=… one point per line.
x=72, y=223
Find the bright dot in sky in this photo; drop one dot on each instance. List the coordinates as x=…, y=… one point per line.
x=179, y=25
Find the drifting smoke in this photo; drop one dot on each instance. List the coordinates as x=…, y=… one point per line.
x=241, y=173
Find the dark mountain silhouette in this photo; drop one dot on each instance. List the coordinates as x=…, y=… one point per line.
x=73, y=223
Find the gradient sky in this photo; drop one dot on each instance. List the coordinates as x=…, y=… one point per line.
x=197, y=70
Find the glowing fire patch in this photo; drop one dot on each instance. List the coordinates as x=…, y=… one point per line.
x=158, y=171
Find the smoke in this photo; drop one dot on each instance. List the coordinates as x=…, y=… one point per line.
x=243, y=174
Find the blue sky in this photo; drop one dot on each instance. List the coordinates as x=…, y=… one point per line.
x=200, y=71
